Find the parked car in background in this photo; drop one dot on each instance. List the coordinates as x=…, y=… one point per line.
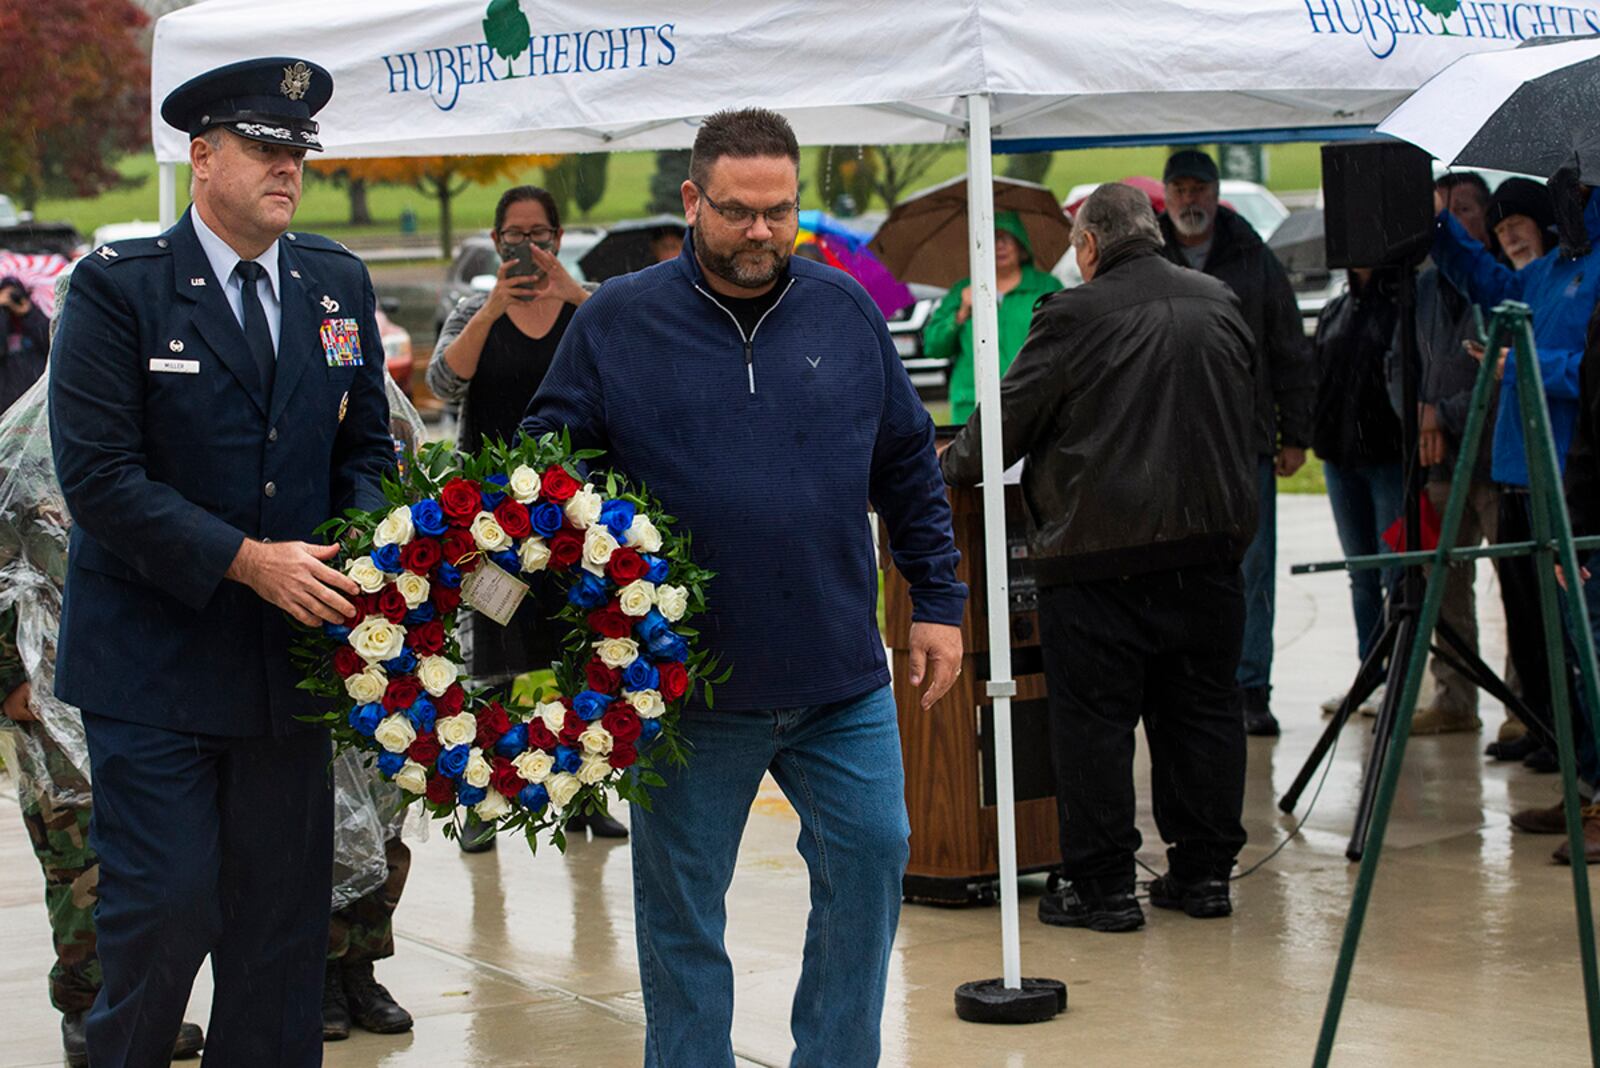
x=1259, y=206
x=8, y=212
x=397, y=355
x=476, y=261
x=930, y=375
x=123, y=231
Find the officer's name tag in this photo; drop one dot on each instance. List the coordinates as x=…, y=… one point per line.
x=492, y=590
x=176, y=367
x=341, y=342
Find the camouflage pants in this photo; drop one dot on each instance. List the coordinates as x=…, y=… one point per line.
x=363, y=931
x=60, y=837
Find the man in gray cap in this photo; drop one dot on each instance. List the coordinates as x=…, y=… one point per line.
x=216, y=395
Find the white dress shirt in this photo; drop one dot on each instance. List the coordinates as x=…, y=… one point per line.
x=223, y=259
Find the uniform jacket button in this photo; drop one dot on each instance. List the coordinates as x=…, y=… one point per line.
x=271, y=489
x=272, y=435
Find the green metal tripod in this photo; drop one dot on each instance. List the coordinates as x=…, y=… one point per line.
x=1553, y=544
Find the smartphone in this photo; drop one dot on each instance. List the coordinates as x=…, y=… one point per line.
x=522, y=255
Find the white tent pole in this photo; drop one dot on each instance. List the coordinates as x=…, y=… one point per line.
x=167, y=192
x=986, y=355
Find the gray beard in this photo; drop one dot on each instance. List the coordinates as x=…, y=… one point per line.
x=1192, y=222
x=729, y=269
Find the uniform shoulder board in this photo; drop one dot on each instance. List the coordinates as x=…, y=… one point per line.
x=115, y=252
x=301, y=240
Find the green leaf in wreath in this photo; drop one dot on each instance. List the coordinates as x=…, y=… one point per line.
x=506, y=28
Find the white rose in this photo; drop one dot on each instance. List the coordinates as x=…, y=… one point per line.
x=364, y=573
x=554, y=714
x=367, y=686
x=413, y=587
x=375, y=638
x=459, y=729
x=395, y=734
x=493, y=807
x=594, y=769
x=598, y=545
x=412, y=778
x=674, y=602
x=535, y=554
x=583, y=508
x=596, y=739
x=436, y=674
x=637, y=597
x=643, y=535
x=524, y=485
x=395, y=529
x=647, y=703
x=562, y=788
x=535, y=765
x=488, y=534
x=617, y=652
x=479, y=770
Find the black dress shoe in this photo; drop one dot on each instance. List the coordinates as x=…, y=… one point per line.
x=1542, y=759
x=1204, y=899
x=371, y=1005
x=335, y=1006
x=601, y=824
x=476, y=836
x=1516, y=751
x=1259, y=721
x=191, y=1040
x=1111, y=911
x=75, y=1038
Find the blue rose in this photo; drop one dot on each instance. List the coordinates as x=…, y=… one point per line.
x=651, y=627
x=391, y=763
x=658, y=569
x=617, y=516
x=471, y=795
x=513, y=741
x=669, y=647
x=588, y=592
x=422, y=714
x=404, y=664
x=639, y=675
x=453, y=761
x=387, y=559
x=449, y=576
x=648, y=730
x=590, y=705
x=423, y=613
x=364, y=719
x=508, y=560
x=492, y=498
x=428, y=518
x=568, y=759
x=546, y=518
x=336, y=631
x=534, y=798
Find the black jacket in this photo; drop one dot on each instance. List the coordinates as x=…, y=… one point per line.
x=1281, y=359
x=1131, y=400
x=22, y=361
x=1354, y=424
x=1583, y=455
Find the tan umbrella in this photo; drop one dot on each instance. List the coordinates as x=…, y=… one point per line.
x=924, y=239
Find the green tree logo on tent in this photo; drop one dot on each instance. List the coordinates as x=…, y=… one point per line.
x=506, y=30
x=1443, y=8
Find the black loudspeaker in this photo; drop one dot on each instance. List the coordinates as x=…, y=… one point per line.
x=1378, y=198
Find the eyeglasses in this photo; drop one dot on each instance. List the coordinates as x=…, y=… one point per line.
x=743, y=218
x=517, y=237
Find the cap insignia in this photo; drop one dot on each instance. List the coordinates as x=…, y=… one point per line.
x=296, y=80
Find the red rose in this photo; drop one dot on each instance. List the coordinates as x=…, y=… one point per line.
x=457, y=545
x=601, y=679
x=674, y=680
x=402, y=693
x=492, y=723
x=540, y=736
x=425, y=750
x=365, y=604
x=609, y=622
x=505, y=778
x=346, y=662
x=622, y=722
x=420, y=556
x=460, y=500
x=626, y=565
x=392, y=606
x=623, y=755
x=558, y=486
x=441, y=791
x=573, y=726
x=445, y=599
x=450, y=702
x=426, y=638
x=513, y=518
x=566, y=548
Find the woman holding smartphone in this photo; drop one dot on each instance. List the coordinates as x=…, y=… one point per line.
x=491, y=356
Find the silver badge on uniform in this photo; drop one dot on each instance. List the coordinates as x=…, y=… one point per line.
x=175, y=345
x=329, y=305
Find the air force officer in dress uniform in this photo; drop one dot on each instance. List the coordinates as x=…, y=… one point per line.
x=215, y=395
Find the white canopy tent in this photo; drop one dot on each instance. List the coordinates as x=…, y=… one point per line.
x=417, y=77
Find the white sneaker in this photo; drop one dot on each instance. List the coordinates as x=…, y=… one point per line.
x=1370, y=706
x=1330, y=707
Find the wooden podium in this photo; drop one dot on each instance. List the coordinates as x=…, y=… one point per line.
x=948, y=750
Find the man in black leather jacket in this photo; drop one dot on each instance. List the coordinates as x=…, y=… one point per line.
x=1132, y=403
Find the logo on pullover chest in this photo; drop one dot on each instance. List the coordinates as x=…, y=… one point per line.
x=813, y=361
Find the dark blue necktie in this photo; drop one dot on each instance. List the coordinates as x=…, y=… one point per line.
x=256, y=332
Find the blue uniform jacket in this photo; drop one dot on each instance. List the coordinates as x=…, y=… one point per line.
x=170, y=455
x=1562, y=294
x=767, y=450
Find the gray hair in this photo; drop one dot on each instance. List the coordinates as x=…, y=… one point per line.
x=1116, y=214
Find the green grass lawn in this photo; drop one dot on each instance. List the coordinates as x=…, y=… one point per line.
x=1306, y=480
x=325, y=207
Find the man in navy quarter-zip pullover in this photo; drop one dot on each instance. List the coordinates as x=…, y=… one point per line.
x=761, y=398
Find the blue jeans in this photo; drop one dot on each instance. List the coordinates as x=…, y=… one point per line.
x=839, y=765
x=1259, y=569
x=1366, y=500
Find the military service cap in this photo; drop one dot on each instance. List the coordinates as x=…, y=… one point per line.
x=270, y=100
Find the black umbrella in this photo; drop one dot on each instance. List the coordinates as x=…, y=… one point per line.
x=627, y=247
x=1300, y=244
